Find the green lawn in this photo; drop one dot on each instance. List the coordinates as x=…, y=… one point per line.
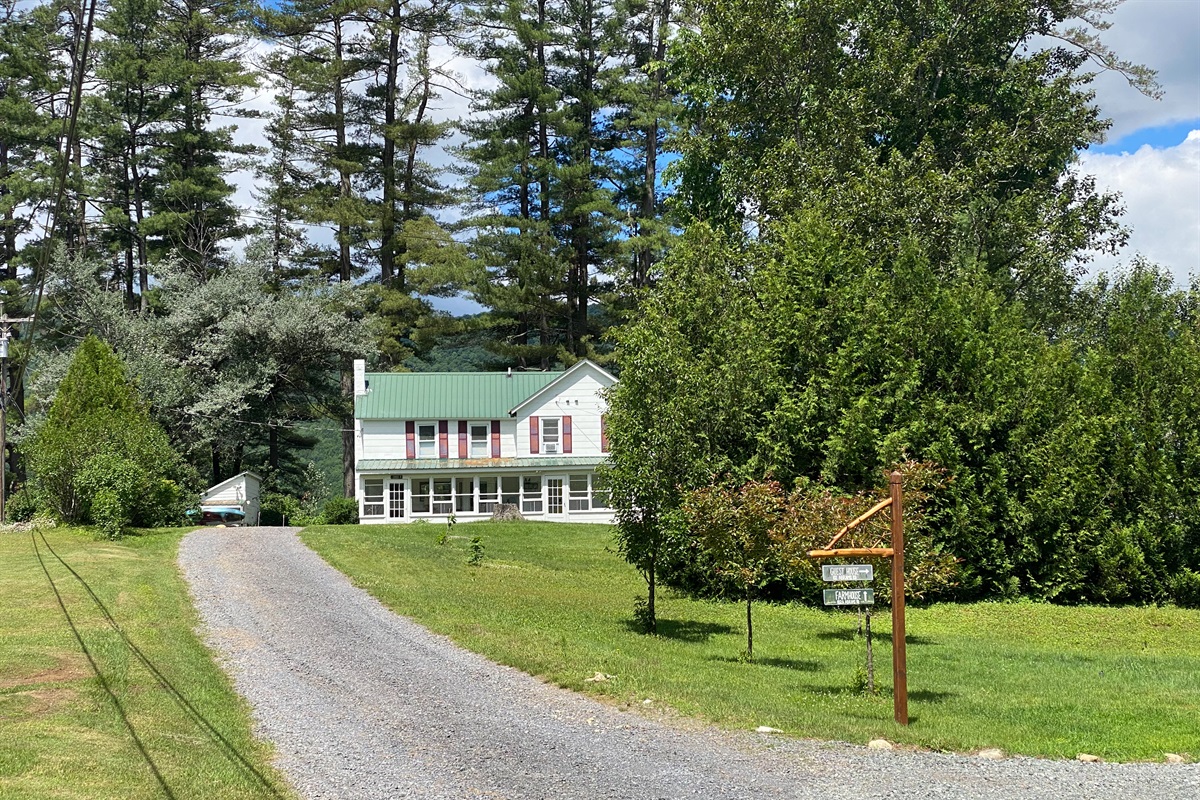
x=553, y=600
x=166, y=726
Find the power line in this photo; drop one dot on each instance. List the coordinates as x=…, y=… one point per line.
x=277, y=425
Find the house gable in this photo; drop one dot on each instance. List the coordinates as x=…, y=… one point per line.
x=564, y=384
x=233, y=491
x=574, y=403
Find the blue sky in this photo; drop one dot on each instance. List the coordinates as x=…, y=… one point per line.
x=1159, y=136
x=1152, y=157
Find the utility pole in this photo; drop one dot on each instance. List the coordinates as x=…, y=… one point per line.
x=6, y=323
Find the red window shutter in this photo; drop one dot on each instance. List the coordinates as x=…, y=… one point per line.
x=535, y=434
x=443, y=438
x=410, y=439
x=495, y=438
x=566, y=430
x=603, y=433
x=462, y=438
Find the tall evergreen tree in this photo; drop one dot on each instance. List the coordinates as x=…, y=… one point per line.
x=400, y=104
x=645, y=111
x=564, y=158
x=322, y=65
x=33, y=78
x=513, y=176
x=586, y=74
x=206, y=75
x=127, y=111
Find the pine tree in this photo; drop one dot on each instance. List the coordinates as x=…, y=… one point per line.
x=564, y=161
x=645, y=112
x=129, y=106
x=206, y=74
x=283, y=175
x=513, y=177
x=586, y=74
x=32, y=90
x=399, y=110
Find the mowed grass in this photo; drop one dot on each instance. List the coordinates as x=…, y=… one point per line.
x=554, y=601
x=66, y=733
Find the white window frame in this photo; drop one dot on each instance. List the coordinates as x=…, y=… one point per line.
x=475, y=448
x=443, y=501
x=487, y=501
x=600, y=498
x=373, y=503
x=513, y=493
x=421, y=496
x=427, y=448
x=544, y=442
x=464, y=502
x=533, y=501
x=579, y=499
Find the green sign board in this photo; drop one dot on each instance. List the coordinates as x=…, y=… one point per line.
x=847, y=572
x=849, y=597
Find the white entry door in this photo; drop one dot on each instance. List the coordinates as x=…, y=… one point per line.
x=395, y=500
x=554, y=497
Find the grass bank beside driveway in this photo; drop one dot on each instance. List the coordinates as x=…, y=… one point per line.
x=553, y=600
x=158, y=720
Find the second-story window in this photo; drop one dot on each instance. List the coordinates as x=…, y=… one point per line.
x=480, y=446
x=427, y=441
x=551, y=440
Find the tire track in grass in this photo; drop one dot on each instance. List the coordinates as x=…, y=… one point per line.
x=104, y=684
x=215, y=736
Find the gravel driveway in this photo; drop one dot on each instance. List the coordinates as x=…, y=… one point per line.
x=361, y=703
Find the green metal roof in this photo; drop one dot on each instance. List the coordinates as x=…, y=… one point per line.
x=447, y=395
x=474, y=464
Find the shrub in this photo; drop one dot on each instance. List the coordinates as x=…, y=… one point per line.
x=340, y=511
x=21, y=506
x=1185, y=589
x=109, y=512
x=476, y=548
x=279, y=509
x=98, y=457
x=109, y=486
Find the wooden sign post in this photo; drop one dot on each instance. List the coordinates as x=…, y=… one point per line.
x=896, y=552
x=899, y=652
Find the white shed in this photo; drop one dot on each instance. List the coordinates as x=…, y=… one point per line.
x=241, y=491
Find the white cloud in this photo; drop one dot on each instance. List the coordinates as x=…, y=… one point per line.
x=1161, y=191
x=1165, y=36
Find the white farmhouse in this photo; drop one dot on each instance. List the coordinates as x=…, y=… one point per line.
x=428, y=445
